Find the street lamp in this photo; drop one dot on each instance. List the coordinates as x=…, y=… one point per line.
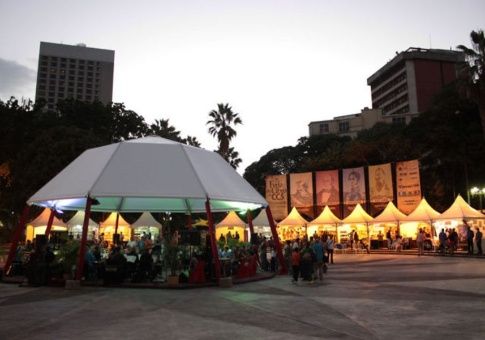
x=480, y=192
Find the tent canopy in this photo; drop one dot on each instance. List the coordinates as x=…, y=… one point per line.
x=293, y=219
x=146, y=220
x=231, y=220
x=78, y=220
x=358, y=215
x=262, y=219
x=325, y=217
x=111, y=221
x=43, y=219
x=390, y=214
x=149, y=174
x=460, y=210
x=423, y=212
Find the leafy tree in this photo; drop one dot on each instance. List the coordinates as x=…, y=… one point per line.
x=125, y=124
x=221, y=127
x=162, y=128
x=474, y=76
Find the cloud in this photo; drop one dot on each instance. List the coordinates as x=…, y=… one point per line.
x=15, y=79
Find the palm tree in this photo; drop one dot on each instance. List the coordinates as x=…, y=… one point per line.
x=162, y=128
x=222, y=122
x=475, y=73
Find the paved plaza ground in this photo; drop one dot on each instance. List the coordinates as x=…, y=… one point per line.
x=362, y=297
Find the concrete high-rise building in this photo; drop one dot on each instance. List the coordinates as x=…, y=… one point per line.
x=401, y=89
x=80, y=72
x=405, y=86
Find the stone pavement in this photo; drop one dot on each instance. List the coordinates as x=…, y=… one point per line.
x=362, y=297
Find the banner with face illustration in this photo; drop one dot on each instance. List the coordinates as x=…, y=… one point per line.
x=353, y=188
x=327, y=188
x=408, y=185
x=301, y=190
x=380, y=186
x=277, y=196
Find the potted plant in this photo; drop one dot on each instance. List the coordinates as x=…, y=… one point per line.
x=68, y=254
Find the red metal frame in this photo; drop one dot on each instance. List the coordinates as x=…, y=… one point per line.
x=15, y=238
x=212, y=234
x=84, y=238
x=250, y=223
x=49, y=224
x=281, y=259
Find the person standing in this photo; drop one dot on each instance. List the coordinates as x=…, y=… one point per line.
x=478, y=241
x=389, y=239
x=330, y=245
x=469, y=237
x=420, y=241
x=319, y=259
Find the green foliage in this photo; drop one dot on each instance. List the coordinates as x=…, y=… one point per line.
x=68, y=254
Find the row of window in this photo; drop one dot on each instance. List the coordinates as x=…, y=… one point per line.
x=395, y=104
x=393, y=82
x=391, y=95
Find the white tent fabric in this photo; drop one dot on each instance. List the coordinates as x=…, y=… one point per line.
x=43, y=218
x=358, y=215
x=262, y=220
x=423, y=212
x=231, y=220
x=146, y=220
x=325, y=217
x=390, y=214
x=149, y=174
x=293, y=219
x=78, y=220
x=460, y=210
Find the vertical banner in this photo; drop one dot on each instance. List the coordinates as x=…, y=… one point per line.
x=354, y=188
x=301, y=192
x=408, y=185
x=277, y=196
x=380, y=186
x=328, y=192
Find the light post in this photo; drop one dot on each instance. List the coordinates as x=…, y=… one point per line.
x=480, y=192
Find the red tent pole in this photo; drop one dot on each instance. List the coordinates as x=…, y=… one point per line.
x=49, y=224
x=84, y=238
x=281, y=259
x=250, y=223
x=189, y=221
x=212, y=234
x=15, y=238
x=117, y=222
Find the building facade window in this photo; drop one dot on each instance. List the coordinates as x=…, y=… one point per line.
x=323, y=128
x=343, y=126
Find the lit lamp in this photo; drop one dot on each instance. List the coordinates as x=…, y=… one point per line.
x=480, y=192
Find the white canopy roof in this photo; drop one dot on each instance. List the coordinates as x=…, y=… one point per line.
x=358, y=215
x=460, y=210
x=43, y=219
x=231, y=220
x=325, y=217
x=262, y=219
x=78, y=220
x=423, y=212
x=149, y=174
x=390, y=214
x=293, y=219
x=146, y=220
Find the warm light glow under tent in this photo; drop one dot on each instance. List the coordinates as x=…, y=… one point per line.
x=358, y=220
x=108, y=227
x=261, y=224
x=292, y=226
x=422, y=216
x=325, y=222
x=38, y=225
x=149, y=174
x=230, y=224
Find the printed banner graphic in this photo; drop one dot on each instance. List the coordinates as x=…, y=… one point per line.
x=353, y=186
x=408, y=185
x=327, y=187
x=301, y=190
x=277, y=196
x=380, y=183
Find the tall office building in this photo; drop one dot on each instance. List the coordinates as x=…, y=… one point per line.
x=405, y=86
x=79, y=72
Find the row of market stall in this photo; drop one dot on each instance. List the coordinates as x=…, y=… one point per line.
x=292, y=227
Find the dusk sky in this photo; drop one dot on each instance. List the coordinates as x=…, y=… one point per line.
x=280, y=64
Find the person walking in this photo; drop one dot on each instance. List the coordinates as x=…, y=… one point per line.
x=478, y=241
x=319, y=259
